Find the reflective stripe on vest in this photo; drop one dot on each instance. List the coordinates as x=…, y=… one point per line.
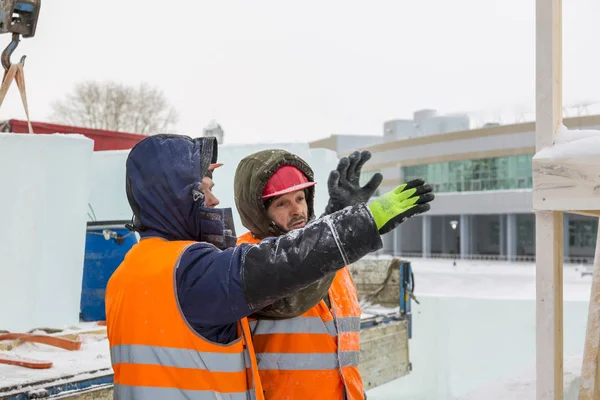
x=315, y=355
x=305, y=325
x=349, y=324
x=154, y=352
x=306, y=362
x=126, y=392
x=179, y=358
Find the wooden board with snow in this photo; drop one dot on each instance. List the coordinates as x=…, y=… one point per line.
x=566, y=176
x=92, y=359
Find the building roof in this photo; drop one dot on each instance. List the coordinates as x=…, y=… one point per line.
x=103, y=139
x=572, y=123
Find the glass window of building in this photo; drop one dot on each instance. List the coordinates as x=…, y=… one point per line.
x=525, y=232
x=582, y=233
x=497, y=173
x=494, y=233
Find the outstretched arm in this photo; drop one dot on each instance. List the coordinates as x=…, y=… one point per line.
x=216, y=288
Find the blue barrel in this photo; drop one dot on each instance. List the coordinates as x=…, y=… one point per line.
x=106, y=244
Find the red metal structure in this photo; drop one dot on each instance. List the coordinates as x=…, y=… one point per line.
x=103, y=140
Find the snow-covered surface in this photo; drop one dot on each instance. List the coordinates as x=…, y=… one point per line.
x=571, y=143
x=476, y=326
x=565, y=135
x=490, y=279
x=43, y=200
x=92, y=356
x=377, y=310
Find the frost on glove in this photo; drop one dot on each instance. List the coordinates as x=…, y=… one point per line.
x=407, y=200
x=344, y=183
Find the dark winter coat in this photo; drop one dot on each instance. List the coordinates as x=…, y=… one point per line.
x=251, y=177
x=216, y=288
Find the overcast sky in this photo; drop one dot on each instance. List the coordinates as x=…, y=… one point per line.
x=273, y=70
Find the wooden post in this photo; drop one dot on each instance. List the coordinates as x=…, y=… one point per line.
x=549, y=230
x=590, y=381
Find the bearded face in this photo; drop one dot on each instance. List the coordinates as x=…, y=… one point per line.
x=289, y=211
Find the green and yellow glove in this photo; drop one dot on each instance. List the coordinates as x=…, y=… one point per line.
x=407, y=200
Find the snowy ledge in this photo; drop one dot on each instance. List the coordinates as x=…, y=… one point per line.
x=566, y=176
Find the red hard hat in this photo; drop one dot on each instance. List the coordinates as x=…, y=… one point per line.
x=285, y=180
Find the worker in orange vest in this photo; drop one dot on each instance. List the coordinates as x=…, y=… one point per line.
x=307, y=344
x=177, y=306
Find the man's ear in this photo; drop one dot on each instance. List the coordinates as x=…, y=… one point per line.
x=211, y=168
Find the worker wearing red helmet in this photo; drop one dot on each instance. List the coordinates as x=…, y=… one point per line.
x=307, y=344
x=286, y=186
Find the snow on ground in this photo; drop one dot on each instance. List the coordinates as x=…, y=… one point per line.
x=490, y=279
x=92, y=356
x=373, y=310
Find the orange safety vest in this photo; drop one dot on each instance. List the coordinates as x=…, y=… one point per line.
x=315, y=355
x=154, y=352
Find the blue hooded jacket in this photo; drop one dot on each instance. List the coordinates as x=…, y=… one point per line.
x=217, y=282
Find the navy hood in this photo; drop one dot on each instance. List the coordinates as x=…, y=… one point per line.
x=164, y=175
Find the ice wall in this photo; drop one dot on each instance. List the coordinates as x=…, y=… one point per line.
x=476, y=325
x=461, y=344
x=43, y=198
x=108, y=200
x=522, y=384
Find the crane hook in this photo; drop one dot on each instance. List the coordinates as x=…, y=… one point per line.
x=5, y=57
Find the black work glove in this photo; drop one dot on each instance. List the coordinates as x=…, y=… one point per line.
x=344, y=186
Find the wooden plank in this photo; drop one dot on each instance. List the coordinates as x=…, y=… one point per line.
x=6, y=345
x=384, y=353
x=104, y=392
x=549, y=305
x=548, y=71
x=567, y=179
x=75, y=334
x=590, y=382
x=549, y=230
x=379, y=276
x=388, y=296
x=374, y=272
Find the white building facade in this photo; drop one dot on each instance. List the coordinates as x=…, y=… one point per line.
x=482, y=181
